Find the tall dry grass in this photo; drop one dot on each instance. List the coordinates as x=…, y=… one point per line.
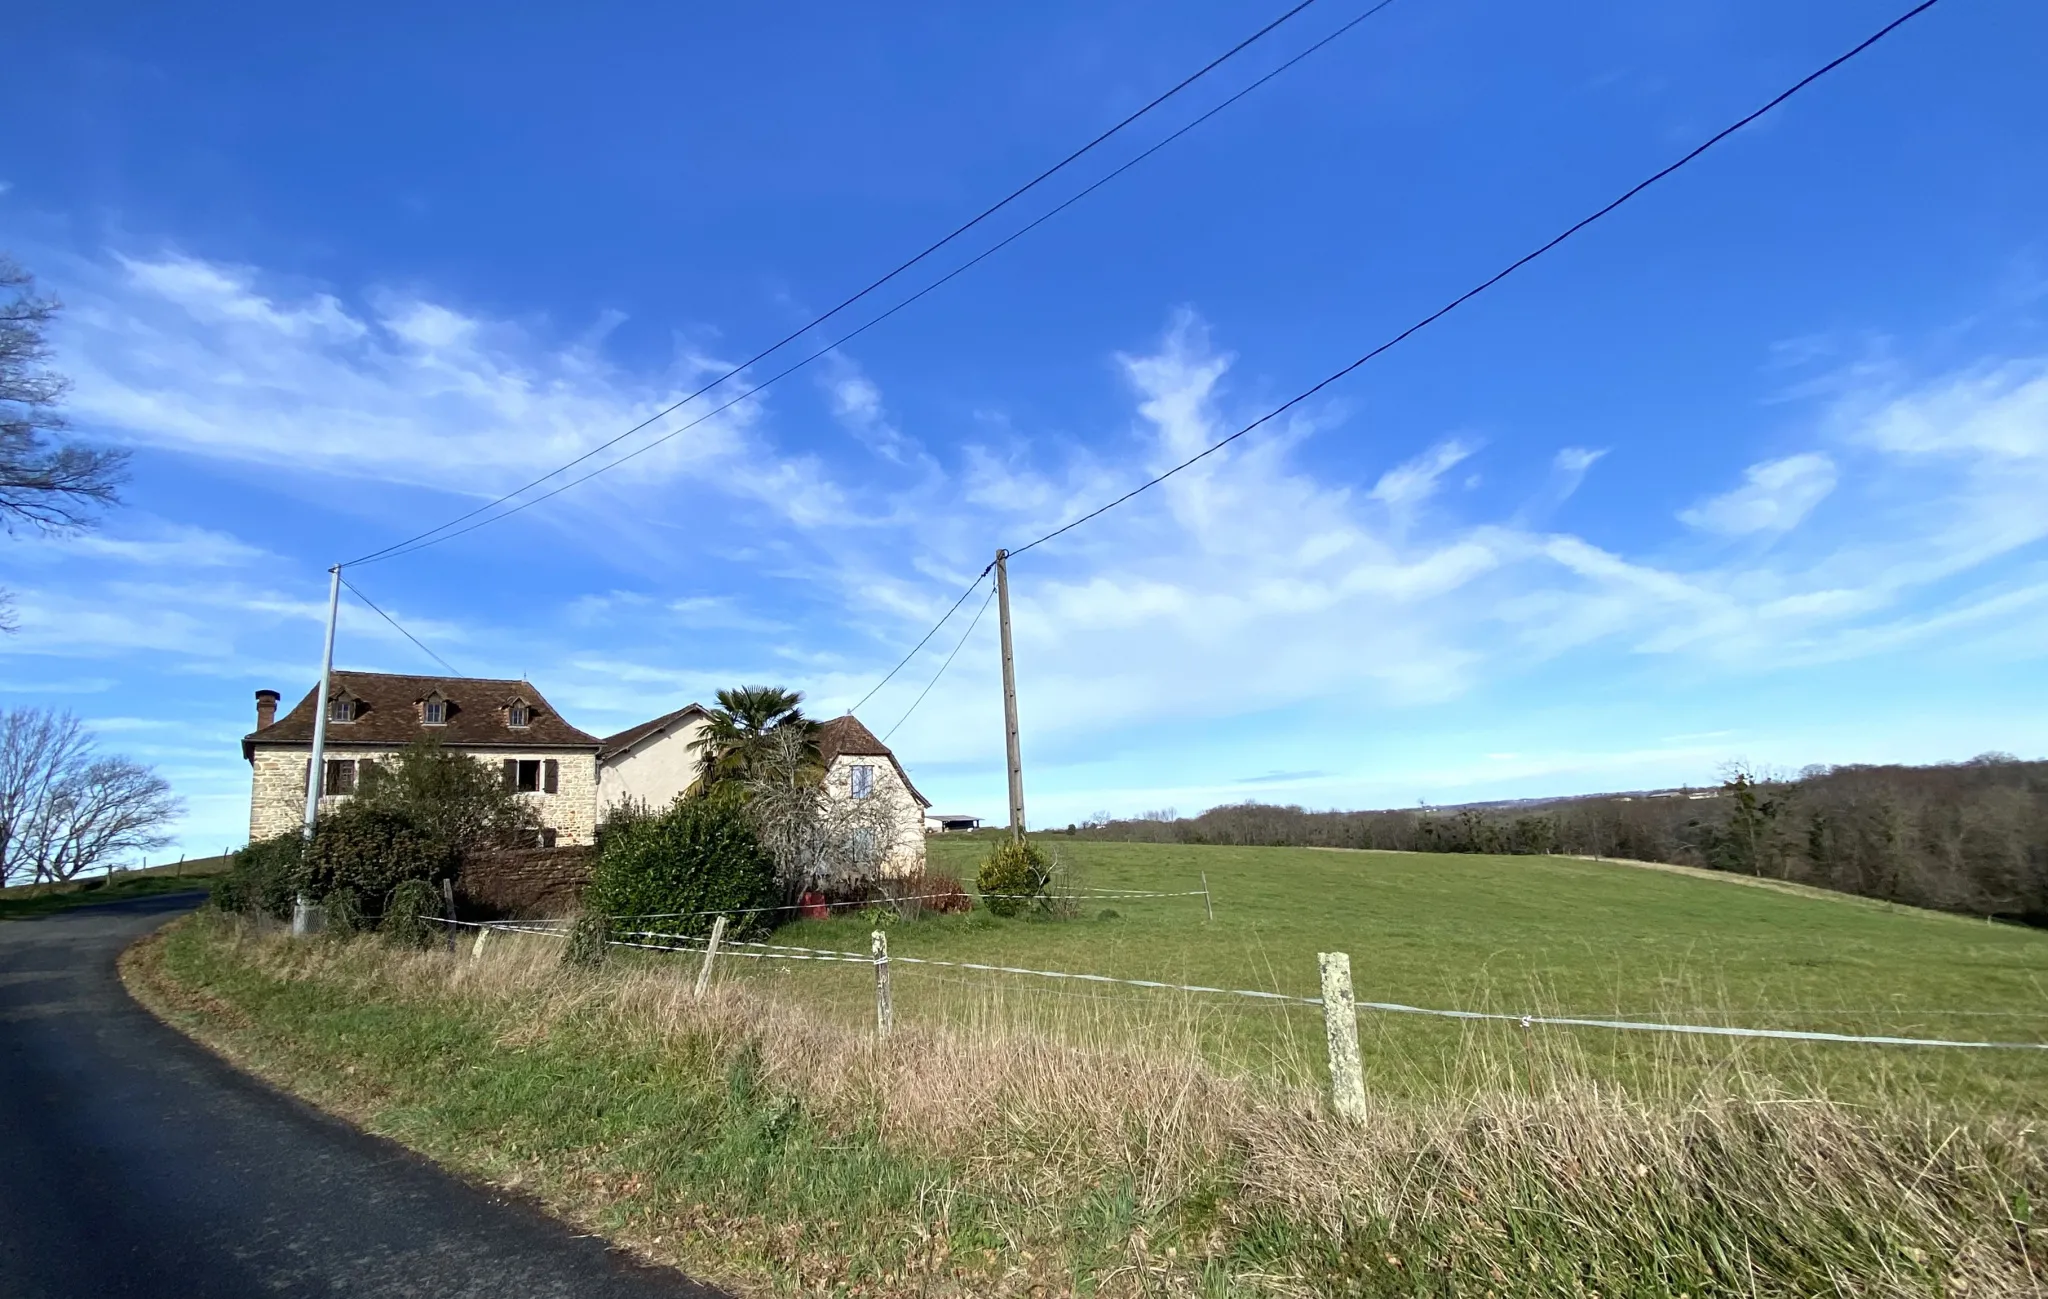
x=1526, y=1178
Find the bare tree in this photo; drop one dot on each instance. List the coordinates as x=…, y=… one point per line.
x=816, y=840
x=65, y=808
x=46, y=484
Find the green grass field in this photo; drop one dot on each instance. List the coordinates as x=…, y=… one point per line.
x=26, y=901
x=1519, y=934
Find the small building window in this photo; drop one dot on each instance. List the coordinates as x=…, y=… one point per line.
x=341, y=708
x=863, y=780
x=526, y=779
x=434, y=712
x=518, y=716
x=339, y=776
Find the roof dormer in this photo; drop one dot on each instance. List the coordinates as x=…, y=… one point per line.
x=435, y=708
x=343, y=707
x=519, y=713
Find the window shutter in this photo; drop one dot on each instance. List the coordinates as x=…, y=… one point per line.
x=551, y=776
x=511, y=773
x=306, y=778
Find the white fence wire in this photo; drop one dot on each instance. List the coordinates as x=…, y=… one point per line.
x=781, y=951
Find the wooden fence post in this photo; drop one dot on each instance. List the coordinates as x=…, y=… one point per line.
x=885, y=1014
x=476, y=950
x=1207, y=904
x=1340, y=1025
x=448, y=901
x=710, y=955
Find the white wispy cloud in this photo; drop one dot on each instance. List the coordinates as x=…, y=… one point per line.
x=1775, y=495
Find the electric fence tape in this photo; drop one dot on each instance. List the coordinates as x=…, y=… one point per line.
x=787, y=952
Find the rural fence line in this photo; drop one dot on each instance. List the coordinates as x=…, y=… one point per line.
x=788, y=952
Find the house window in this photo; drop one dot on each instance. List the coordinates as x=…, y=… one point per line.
x=435, y=712
x=339, y=776
x=341, y=709
x=526, y=778
x=863, y=781
x=518, y=716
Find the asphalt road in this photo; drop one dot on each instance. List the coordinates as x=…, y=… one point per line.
x=133, y=1162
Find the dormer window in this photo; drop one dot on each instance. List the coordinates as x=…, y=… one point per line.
x=519, y=716
x=434, y=712
x=341, y=708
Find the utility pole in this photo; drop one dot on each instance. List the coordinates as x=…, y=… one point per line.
x=316, y=769
x=1010, y=698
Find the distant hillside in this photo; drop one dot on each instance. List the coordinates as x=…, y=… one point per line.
x=1969, y=836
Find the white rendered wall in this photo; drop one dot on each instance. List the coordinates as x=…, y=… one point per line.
x=653, y=771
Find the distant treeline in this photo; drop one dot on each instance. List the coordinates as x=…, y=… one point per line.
x=1969, y=837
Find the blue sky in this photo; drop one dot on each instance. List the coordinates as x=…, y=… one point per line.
x=1755, y=469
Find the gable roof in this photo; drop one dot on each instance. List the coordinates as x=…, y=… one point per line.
x=386, y=714
x=614, y=745
x=846, y=737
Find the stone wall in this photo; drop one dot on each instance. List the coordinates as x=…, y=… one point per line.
x=277, y=796
x=524, y=884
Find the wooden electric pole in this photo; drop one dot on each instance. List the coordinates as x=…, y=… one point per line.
x=1010, y=698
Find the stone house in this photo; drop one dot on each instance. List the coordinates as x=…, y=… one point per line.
x=571, y=778
x=372, y=715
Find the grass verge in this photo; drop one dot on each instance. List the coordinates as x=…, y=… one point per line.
x=761, y=1145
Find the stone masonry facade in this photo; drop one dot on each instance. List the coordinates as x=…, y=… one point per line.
x=277, y=800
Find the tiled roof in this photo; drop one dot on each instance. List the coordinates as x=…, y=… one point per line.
x=846, y=737
x=388, y=713
x=632, y=735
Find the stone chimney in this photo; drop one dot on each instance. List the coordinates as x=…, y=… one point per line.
x=266, y=708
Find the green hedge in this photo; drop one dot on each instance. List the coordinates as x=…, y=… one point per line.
x=701, y=855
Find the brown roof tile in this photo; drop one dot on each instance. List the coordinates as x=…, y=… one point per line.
x=846, y=737
x=387, y=713
x=632, y=735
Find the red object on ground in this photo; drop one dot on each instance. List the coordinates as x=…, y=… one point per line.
x=811, y=906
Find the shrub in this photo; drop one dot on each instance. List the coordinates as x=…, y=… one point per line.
x=408, y=914
x=701, y=855
x=589, y=942
x=1013, y=877
x=371, y=851
x=458, y=803
x=344, y=913
x=263, y=877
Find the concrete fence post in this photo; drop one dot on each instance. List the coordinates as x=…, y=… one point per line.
x=476, y=949
x=885, y=1013
x=1340, y=1026
x=710, y=955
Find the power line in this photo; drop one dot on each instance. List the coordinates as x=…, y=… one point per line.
x=426, y=539
x=971, y=625
x=927, y=637
x=955, y=233
x=353, y=590
x=1497, y=277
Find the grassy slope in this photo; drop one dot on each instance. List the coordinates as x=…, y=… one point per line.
x=1544, y=935
x=26, y=901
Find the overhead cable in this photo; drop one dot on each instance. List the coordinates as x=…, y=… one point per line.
x=971, y=625
x=950, y=236
x=437, y=536
x=355, y=591
x=1500, y=275
x=900, y=663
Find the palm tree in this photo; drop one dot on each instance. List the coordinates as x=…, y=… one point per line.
x=747, y=727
